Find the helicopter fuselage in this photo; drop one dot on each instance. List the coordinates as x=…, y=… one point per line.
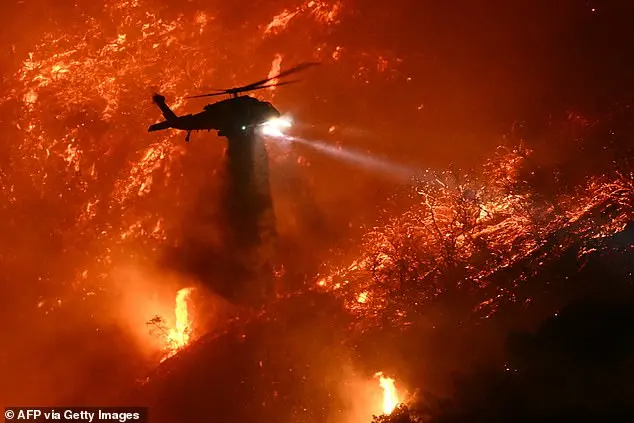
x=228, y=116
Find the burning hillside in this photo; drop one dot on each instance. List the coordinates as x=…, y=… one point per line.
x=477, y=244
x=89, y=196
x=484, y=234
x=101, y=220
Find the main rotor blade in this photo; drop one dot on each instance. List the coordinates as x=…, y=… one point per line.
x=260, y=84
x=226, y=92
x=287, y=72
x=217, y=91
x=243, y=89
x=273, y=85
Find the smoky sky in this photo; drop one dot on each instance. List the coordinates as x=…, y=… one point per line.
x=474, y=67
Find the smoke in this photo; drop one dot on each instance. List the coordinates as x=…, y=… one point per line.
x=361, y=396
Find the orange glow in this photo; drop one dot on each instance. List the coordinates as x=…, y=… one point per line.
x=275, y=70
x=179, y=336
x=87, y=191
x=442, y=227
x=321, y=11
x=390, y=395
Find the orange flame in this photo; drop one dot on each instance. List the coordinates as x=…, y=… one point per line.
x=179, y=336
x=390, y=395
x=275, y=70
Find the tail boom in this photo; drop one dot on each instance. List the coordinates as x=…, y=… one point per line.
x=168, y=114
x=160, y=126
x=159, y=100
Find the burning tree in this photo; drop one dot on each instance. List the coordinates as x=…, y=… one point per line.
x=178, y=336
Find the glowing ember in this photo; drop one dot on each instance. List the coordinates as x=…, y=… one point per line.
x=468, y=218
x=280, y=21
x=390, y=396
x=179, y=336
x=321, y=11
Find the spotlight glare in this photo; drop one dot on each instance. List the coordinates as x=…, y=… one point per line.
x=275, y=127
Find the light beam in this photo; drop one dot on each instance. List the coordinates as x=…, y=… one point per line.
x=393, y=170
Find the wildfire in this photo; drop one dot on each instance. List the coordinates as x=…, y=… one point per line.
x=125, y=192
x=275, y=69
x=179, y=336
x=74, y=111
x=321, y=11
x=484, y=225
x=390, y=395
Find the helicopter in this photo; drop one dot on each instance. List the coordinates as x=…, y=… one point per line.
x=235, y=116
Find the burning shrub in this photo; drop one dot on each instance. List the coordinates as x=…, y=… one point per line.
x=401, y=414
x=482, y=233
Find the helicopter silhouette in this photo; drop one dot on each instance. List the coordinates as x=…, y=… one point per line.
x=231, y=117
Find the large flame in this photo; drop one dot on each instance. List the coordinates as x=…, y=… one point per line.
x=390, y=395
x=179, y=336
x=276, y=67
